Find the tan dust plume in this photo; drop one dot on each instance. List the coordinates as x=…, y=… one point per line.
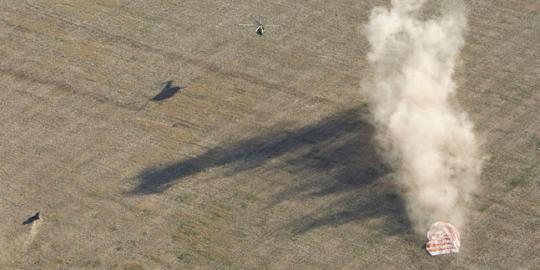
x=32, y=234
x=423, y=135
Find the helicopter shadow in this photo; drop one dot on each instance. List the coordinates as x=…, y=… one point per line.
x=168, y=91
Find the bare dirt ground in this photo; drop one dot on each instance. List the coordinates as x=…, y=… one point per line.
x=263, y=160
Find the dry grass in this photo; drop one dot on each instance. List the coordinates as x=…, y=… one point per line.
x=264, y=160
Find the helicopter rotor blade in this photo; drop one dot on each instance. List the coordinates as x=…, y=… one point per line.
x=255, y=21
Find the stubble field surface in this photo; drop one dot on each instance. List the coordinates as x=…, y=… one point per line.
x=263, y=159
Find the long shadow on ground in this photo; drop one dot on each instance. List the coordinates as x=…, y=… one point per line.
x=334, y=156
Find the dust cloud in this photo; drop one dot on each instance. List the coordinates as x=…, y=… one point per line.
x=32, y=234
x=421, y=131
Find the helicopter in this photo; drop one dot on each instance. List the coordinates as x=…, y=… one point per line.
x=259, y=30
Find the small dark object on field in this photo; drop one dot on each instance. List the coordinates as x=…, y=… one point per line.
x=168, y=91
x=31, y=219
x=259, y=30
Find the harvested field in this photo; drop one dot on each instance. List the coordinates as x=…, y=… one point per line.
x=257, y=154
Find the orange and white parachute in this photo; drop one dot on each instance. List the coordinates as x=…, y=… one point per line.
x=443, y=238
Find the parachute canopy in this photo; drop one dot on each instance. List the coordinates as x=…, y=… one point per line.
x=443, y=238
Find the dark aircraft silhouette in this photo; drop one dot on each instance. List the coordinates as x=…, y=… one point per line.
x=31, y=219
x=260, y=27
x=259, y=30
x=168, y=91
